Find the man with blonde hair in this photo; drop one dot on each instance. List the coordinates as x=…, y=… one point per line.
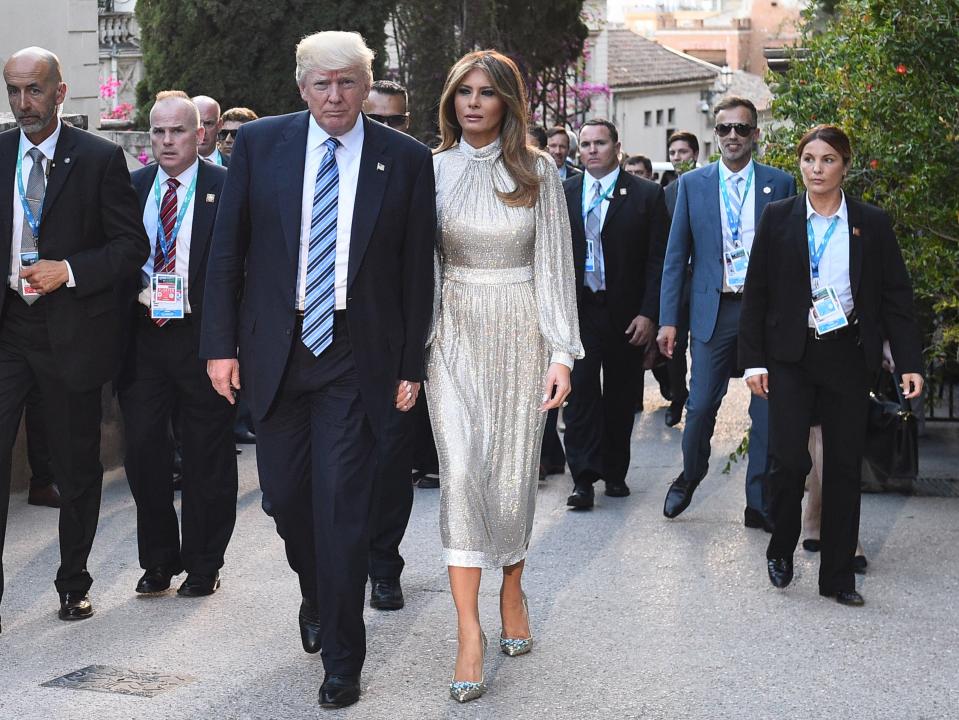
x=326, y=224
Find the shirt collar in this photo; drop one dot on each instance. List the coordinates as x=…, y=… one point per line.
x=841, y=213
x=48, y=147
x=213, y=157
x=725, y=173
x=351, y=140
x=605, y=182
x=185, y=177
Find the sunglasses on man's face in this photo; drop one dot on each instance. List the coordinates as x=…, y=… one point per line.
x=394, y=121
x=742, y=129
x=224, y=134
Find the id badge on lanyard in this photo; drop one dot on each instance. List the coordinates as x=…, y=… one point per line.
x=735, y=258
x=827, y=311
x=30, y=255
x=166, y=296
x=590, y=250
x=736, y=262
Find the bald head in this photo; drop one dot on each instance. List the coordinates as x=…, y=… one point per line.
x=210, y=120
x=175, y=131
x=35, y=89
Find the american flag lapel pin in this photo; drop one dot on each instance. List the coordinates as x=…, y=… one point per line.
x=380, y=167
x=622, y=191
x=210, y=197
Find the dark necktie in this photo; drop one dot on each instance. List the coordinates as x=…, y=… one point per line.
x=36, y=187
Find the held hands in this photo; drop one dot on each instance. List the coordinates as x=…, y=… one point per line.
x=666, y=339
x=406, y=394
x=225, y=376
x=911, y=385
x=640, y=331
x=556, y=388
x=45, y=276
x=759, y=384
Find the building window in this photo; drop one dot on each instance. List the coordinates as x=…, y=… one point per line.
x=671, y=114
x=659, y=117
x=648, y=118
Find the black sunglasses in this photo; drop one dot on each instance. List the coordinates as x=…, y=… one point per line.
x=224, y=134
x=394, y=121
x=742, y=129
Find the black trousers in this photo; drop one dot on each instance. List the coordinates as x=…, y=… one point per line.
x=166, y=372
x=392, y=494
x=38, y=449
x=676, y=366
x=73, y=430
x=424, y=445
x=552, y=454
x=599, y=418
x=316, y=458
x=830, y=380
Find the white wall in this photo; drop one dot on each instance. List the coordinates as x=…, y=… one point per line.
x=67, y=28
x=629, y=110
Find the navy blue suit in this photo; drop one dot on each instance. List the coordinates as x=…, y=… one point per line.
x=316, y=418
x=696, y=233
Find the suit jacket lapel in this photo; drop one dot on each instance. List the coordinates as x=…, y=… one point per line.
x=616, y=200
x=710, y=187
x=760, y=183
x=856, y=240
x=800, y=241
x=203, y=216
x=290, y=157
x=574, y=203
x=9, y=142
x=370, y=188
x=64, y=160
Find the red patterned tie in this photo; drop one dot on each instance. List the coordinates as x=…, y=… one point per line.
x=167, y=219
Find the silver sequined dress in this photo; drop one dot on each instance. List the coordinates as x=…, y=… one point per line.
x=505, y=304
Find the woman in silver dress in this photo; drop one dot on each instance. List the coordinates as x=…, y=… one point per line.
x=504, y=339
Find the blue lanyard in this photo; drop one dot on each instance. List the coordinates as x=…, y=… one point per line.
x=166, y=243
x=34, y=222
x=734, y=219
x=815, y=256
x=599, y=200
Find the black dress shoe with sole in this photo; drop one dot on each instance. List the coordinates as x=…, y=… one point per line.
x=75, y=605
x=157, y=579
x=678, y=497
x=244, y=437
x=339, y=691
x=811, y=544
x=428, y=481
x=752, y=518
x=845, y=597
x=386, y=594
x=581, y=499
x=310, y=631
x=859, y=564
x=44, y=496
x=197, y=585
x=780, y=571
x=617, y=490
x=674, y=413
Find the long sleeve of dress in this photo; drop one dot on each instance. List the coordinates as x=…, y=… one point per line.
x=553, y=274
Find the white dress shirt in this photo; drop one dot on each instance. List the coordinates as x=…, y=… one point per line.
x=214, y=157
x=747, y=220
x=348, y=166
x=834, y=265
x=606, y=184
x=48, y=147
x=151, y=221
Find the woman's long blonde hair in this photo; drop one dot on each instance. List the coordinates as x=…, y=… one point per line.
x=506, y=81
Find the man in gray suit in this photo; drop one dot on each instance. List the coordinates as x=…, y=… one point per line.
x=717, y=210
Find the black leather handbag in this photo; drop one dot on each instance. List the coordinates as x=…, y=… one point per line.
x=891, y=459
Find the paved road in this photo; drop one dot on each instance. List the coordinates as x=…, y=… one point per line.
x=634, y=616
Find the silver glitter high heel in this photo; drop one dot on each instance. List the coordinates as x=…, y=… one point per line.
x=517, y=646
x=465, y=690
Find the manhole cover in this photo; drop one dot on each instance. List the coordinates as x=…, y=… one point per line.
x=103, y=678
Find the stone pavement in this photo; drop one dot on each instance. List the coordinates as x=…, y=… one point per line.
x=634, y=616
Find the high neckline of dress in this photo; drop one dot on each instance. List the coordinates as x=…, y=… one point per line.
x=487, y=152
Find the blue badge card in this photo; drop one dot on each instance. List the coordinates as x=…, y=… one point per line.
x=827, y=312
x=735, y=263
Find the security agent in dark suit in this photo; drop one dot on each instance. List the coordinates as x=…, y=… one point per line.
x=619, y=235
x=161, y=367
x=68, y=234
x=826, y=283
x=211, y=122
x=332, y=216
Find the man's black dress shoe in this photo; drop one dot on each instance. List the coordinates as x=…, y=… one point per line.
x=581, y=499
x=674, y=413
x=428, y=481
x=859, y=564
x=197, y=585
x=678, y=497
x=339, y=691
x=752, y=518
x=44, y=496
x=244, y=437
x=811, y=544
x=386, y=594
x=845, y=597
x=157, y=579
x=617, y=490
x=75, y=605
x=780, y=571
x=310, y=634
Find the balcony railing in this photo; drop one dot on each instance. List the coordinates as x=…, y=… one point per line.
x=118, y=29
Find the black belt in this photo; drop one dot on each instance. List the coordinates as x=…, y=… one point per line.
x=594, y=298
x=339, y=319
x=850, y=330
x=731, y=296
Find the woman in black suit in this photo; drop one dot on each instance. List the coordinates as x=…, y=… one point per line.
x=826, y=283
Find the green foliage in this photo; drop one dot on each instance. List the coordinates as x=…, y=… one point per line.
x=887, y=72
x=241, y=51
x=431, y=35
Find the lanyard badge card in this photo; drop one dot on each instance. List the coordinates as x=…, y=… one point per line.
x=736, y=258
x=736, y=261
x=590, y=250
x=827, y=312
x=28, y=255
x=166, y=296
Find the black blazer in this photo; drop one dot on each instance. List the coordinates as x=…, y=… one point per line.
x=209, y=185
x=778, y=291
x=634, y=242
x=390, y=277
x=90, y=220
x=672, y=192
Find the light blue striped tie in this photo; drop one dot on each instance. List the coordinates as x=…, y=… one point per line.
x=321, y=259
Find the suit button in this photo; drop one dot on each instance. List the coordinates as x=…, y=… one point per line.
x=288, y=331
